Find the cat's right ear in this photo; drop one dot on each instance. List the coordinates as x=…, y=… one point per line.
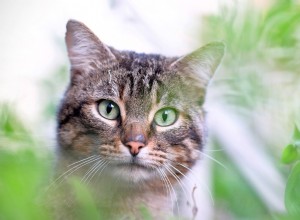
x=199, y=66
x=86, y=52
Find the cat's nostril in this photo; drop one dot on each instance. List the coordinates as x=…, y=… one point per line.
x=134, y=147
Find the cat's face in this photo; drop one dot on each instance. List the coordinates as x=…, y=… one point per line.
x=140, y=115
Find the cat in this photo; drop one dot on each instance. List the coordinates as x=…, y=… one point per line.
x=133, y=123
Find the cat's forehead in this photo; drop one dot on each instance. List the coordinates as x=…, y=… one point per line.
x=139, y=88
x=139, y=82
x=131, y=61
x=138, y=75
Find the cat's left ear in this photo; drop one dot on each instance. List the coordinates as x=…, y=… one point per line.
x=85, y=50
x=200, y=65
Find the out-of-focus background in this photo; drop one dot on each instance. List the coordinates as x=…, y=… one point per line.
x=253, y=102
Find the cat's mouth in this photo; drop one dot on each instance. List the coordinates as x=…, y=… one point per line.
x=133, y=163
x=133, y=170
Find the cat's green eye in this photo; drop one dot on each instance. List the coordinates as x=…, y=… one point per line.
x=165, y=117
x=108, y=109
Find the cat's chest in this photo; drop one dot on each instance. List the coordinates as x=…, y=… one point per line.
x=134, y=202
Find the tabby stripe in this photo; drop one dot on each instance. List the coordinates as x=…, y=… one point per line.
x=76, y=113
x=131, y=78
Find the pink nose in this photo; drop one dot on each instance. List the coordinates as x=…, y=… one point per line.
x=134, y=147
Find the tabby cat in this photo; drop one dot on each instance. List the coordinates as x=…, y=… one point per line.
x=133, y=124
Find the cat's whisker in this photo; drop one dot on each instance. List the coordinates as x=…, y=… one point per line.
x=215, y=150
x=213, y=159
x=70, y=171
x=194, y=182
x=185, y=176
x=172, y=188
x=166, y=184
x=178, y=180
x=101, y=168
x=85, y=159
x=162, y=179
x=199, y=181
x=92, y=169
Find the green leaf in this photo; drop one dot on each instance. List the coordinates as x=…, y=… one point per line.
x=292, y=191
x=289, y=154
x=296, y=137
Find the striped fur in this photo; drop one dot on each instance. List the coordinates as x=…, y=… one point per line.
x=140, y=84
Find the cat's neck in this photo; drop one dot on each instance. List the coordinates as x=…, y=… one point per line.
x=130, y=198
x=127, y=196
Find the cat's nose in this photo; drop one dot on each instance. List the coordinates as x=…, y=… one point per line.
x=134, y=147
x=134, y=137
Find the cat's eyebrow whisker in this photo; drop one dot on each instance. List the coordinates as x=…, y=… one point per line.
x=213, y=159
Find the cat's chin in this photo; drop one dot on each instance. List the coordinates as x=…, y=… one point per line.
x=133, y=172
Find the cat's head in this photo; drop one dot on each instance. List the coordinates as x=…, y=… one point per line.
x=141, y=115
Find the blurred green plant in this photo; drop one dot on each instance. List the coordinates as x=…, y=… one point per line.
x=259, y=79
x=13, y=133
x=22, y=169
x=290, y=155
x=22, y=175
x=53, y=87
x=233, y=194
x=262, y=49
x=25, y=173
x=291, y=152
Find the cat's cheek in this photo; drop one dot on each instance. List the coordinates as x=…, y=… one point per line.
x=186, y=154
x=66, y=136
x=83, y=145
x=124, y=151
x=192, y=150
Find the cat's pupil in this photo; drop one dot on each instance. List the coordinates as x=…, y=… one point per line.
x=165, y=115
x=109, y=108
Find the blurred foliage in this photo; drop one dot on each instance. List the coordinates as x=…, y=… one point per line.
x=259, y=79
x=261, y=66
x=292, y=192
x=291, y=152
x=22, y=170
x=290, y=155
x=234, y=196
x=52, y=88
x=13, y=132
x=26, y=172
x=21, y=177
